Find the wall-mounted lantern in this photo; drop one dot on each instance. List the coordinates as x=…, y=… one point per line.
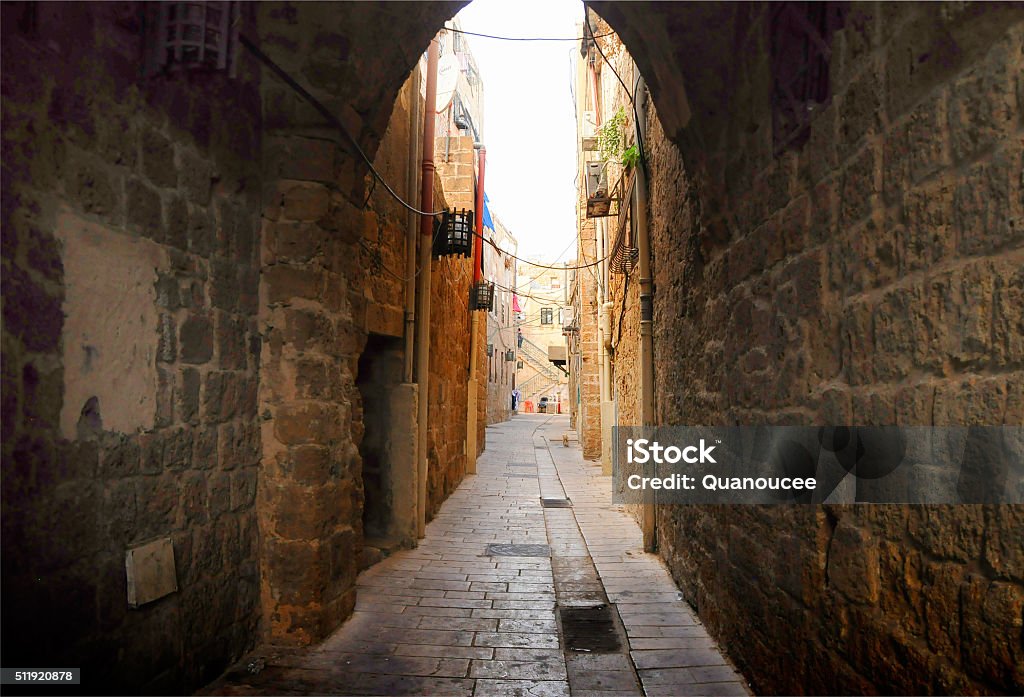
x=490, y=350
x=453, y=234
x=510, y=355
x=481, y=296
x=191, y=35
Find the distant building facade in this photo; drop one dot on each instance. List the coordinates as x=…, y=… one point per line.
x=500, y=268
x=545, y=311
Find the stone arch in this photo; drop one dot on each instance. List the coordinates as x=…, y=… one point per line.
x=356, y=59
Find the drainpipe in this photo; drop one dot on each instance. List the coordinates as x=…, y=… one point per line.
x=607, y=408
x=643, y=244
x=423, y=311
x=474, y=347
x=412, y=226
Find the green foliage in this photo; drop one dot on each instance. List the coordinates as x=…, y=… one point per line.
x=631, y=156
x=609, y=136
x=611, y=142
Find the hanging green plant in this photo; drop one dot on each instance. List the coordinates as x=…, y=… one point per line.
x=609, y=136
x=631, y=156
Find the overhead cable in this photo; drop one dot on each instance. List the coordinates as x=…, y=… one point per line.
x=334, y=121
x=527, y=38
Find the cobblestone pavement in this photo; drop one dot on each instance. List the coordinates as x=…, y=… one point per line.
x=455, y=617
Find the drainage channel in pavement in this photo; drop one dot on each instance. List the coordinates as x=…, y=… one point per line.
x=669, y=648
x=593, y=637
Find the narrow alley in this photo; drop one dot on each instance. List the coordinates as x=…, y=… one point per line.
x=496, y=599
x=546, y=347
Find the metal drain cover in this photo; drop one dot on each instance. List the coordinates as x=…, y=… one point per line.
x=499, y=550
x=589, y=629
x=555, y=503
x=521, y=476
x=521, y=464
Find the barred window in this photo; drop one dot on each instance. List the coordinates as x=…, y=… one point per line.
x=801, y=48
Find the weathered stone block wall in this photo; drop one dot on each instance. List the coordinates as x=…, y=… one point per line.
x=449, y=371
x=871, y=276
x=499, y=389
x=482, y=394
x=130, y=235
x=588, y=415
x=334, y=264
x=334, y=270
x=450, y=280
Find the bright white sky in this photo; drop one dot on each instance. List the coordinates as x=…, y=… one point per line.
x=529, y=118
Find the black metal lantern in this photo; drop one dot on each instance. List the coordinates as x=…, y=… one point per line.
x=510, y=355
x=490, y=350
x=481, y=296
x=453, y=234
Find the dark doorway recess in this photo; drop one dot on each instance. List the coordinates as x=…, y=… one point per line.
x=380, y=372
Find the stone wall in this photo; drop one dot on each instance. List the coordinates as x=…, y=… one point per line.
x=450, y=337
x=587, y=380
x=191, y=266
x=130, y=349
x=334, y=266
x=871, y=276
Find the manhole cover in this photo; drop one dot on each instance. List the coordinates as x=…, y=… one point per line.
x=589, y=629
x=555, y=503
x=499, y=550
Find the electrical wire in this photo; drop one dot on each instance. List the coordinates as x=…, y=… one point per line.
x=331, y=118
x=316, y=104
x=631, y=95
x=526, y=38
x=540, y=266
x=573, y=242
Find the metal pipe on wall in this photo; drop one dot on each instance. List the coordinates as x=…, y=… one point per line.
x=478, y=247
x=423, y=290
x=474, y=348
x=604, y=365
x=643, y=244
x=411, y=184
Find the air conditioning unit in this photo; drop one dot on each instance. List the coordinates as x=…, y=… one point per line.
x=588, y=138
x=598, y=201
x=557, y=354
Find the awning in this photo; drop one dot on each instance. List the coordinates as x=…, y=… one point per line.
x=515, y=303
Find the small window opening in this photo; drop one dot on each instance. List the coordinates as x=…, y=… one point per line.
x=801, y=48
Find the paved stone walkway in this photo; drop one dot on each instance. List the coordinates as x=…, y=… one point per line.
x=448, y=619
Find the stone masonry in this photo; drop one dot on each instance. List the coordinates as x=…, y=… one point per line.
x=223, y=232
x=190, y=271
x=869, y=276
x=585, y=394
x=123, y=199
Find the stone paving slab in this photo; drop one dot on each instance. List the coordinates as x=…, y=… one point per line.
x=446, y=619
